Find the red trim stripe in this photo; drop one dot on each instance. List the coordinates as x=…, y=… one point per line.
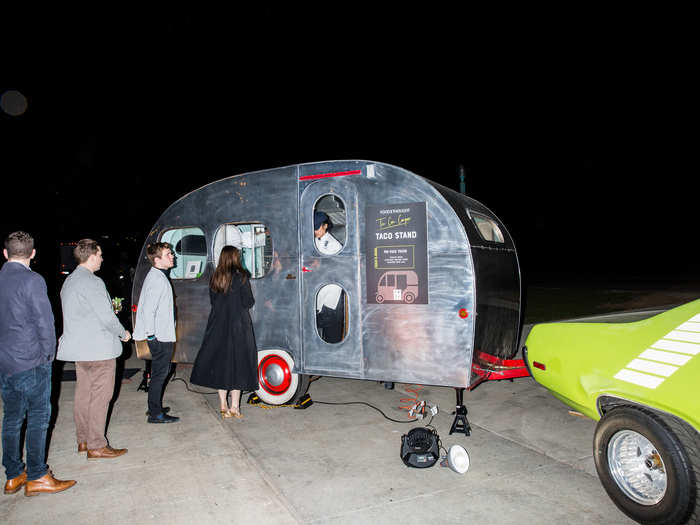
x=326, y=175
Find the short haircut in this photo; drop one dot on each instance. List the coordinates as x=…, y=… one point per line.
x=19, y=245
x=155, y=250
x=84, y=249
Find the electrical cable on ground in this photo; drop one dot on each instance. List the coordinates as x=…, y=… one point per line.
x=187, y=387
x=411, y=389
x=269, y=407
x=367, y=404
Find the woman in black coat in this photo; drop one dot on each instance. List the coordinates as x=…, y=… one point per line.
x=228, y=358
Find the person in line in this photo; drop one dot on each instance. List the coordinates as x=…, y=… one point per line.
x=155, y=322
x=330, y=301
x=91, y=337
x=228, y=357
x=27, y=348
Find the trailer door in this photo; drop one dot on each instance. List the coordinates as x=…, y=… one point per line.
x=330, y=275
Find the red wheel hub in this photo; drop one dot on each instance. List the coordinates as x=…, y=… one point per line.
x=274, y=374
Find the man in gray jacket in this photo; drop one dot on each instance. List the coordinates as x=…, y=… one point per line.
x=155, y=322
x=91, y=334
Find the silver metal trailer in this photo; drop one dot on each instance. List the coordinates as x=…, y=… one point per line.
x=425, y=278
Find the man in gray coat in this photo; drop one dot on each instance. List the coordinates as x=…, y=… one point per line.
x=155, y=322
x=91, y=334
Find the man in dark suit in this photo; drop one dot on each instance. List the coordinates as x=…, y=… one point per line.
x=27, y=348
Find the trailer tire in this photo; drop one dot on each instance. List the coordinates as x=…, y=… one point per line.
x=278, y=384
x=380, y=298
x=409, y=297
x=644, y=467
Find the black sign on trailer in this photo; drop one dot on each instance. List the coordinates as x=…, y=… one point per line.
x=397, y=253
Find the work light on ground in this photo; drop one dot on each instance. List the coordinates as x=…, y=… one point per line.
x=457, y=459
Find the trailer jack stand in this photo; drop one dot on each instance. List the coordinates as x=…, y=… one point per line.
x=461, y=423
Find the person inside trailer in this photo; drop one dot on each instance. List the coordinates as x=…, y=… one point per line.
x=330, y=301
x=325, y=242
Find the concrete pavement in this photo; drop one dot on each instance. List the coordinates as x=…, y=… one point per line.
x=531, y=462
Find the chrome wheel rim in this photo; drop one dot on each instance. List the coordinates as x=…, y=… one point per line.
x=637, y=467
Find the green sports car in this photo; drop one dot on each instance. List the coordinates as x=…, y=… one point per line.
x=641, y=380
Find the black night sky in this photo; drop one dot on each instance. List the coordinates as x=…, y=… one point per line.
x=570, y=129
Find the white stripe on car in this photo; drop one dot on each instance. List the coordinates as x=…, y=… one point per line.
x=651, y=368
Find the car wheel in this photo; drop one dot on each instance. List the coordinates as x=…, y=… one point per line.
x=409, y=297
x=278, y=384
x=380, y=298
x=644, y=467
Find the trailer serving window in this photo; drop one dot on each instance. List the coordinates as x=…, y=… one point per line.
x=190, y=250
x=330, y=238
x=254, y=241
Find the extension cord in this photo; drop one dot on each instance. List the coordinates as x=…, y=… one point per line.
x=419, y=410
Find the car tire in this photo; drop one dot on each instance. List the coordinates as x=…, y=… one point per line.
x=409, y=298
x=278, y=384
x=644, y=467
x=380, y=298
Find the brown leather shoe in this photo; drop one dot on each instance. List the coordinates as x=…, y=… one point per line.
x=82, y=447
x=47, y=484
x=106, y=452
x=14, y=484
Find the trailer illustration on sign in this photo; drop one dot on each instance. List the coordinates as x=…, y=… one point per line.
x=397, y=286
x=422, y=284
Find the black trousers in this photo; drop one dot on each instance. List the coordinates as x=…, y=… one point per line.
x=161, y=354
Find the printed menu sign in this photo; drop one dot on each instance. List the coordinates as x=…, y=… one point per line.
x=397, y=253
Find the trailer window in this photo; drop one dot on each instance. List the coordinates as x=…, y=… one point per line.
x=190, y=250
x=330, y=313
x=487, y=228
x=329, y=224
x=254, y=241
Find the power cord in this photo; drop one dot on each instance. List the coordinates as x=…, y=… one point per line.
x=366, y=404
x=187, y=387
x=412, y=389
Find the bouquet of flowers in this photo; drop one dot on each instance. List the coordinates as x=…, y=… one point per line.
x=117, y=304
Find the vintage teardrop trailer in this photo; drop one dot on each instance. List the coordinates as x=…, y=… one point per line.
x=429, y=278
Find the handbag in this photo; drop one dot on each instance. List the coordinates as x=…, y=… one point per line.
x=142, y=349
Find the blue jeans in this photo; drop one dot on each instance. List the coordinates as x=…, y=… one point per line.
x=26, y=394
